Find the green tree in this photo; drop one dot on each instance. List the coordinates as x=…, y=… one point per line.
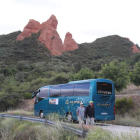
x=135, y=74
x=116, y=71
x=84, y=73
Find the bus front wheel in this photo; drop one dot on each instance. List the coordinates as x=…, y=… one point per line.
x=41, y=114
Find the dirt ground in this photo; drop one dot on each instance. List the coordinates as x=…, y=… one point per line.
x=27, y=105
x=131, y=89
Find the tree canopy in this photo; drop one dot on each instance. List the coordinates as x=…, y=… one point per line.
x=116, y=71
x=135, y=74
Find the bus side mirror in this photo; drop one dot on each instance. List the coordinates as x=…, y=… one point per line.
x=33, y=95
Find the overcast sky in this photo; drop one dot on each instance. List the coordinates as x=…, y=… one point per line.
x=85, y=19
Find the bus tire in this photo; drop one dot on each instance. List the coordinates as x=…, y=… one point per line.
x=41, y=114
x=69, y=116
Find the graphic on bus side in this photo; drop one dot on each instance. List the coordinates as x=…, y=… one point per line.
x=53, y=101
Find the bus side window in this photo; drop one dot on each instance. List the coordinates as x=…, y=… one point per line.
x=82, y=89
x=67, y=90
x=55, y=91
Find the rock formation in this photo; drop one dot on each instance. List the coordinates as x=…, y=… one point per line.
x=52, y=21
x=69, y=43
x=135, y=49
x=51, y=39
x=48, y=36
x=33, y=26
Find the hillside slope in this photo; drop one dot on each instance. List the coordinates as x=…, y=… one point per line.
x=30, y=49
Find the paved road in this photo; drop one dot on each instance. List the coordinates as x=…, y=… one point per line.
x=121, y=130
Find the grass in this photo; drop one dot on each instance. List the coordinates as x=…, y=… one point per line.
x=12, y=129
x=127, y=121
x=20, y=112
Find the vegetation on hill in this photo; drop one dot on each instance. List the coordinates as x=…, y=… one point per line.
x=27, y=65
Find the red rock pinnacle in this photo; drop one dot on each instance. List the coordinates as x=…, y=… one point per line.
x=49, y=36
x=33, y=26
x=52, y=21
x=69, y=43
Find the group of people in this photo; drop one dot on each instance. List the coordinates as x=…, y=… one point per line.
x=87, y=112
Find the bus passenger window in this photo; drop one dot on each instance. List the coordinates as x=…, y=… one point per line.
x=55, y=91
x=67, y=90
x=82, y=89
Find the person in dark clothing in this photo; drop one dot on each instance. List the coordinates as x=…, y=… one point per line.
x=89, y=114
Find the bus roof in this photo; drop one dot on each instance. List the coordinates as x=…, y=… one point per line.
x=88, y=80
x=79, y=81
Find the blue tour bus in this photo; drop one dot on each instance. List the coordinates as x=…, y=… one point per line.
x=65, y=98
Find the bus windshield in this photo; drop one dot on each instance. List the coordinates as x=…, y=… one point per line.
x=104, y=88
x=34, y=93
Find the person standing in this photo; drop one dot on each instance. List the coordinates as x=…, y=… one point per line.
x=89, y=113
x=80, y=112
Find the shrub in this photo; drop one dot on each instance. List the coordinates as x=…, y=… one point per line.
x=9, y=101
x=27, y=95
x=59, y=79
x=135, y=74
x=99, y=134
x=124, y=105
x=84, y=73
x=11, y=129
x=116, y=71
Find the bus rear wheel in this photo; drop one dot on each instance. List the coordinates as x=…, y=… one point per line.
x=41, y=114
x=69, y=116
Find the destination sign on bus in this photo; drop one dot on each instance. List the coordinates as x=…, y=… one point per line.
x=104, y=88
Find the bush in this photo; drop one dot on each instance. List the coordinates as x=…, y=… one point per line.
x=9, y=101
x=124, y=105
x=99, y=134
x=116, y=71
x=11, y=129
x=135, y=74
x=27, y=95
x=84, y=73
x=59, y=79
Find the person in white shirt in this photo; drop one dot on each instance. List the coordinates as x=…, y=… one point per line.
x=81, y=112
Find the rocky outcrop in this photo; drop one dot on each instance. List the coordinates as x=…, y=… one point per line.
x=33, y=26
x=51, y=39
x=49, y=36
x=52, y=21
x=135, y=49
x=69, y=43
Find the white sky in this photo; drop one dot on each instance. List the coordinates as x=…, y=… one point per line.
x=85, y=19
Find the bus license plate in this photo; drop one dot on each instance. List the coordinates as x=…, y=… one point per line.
x=104, y=113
